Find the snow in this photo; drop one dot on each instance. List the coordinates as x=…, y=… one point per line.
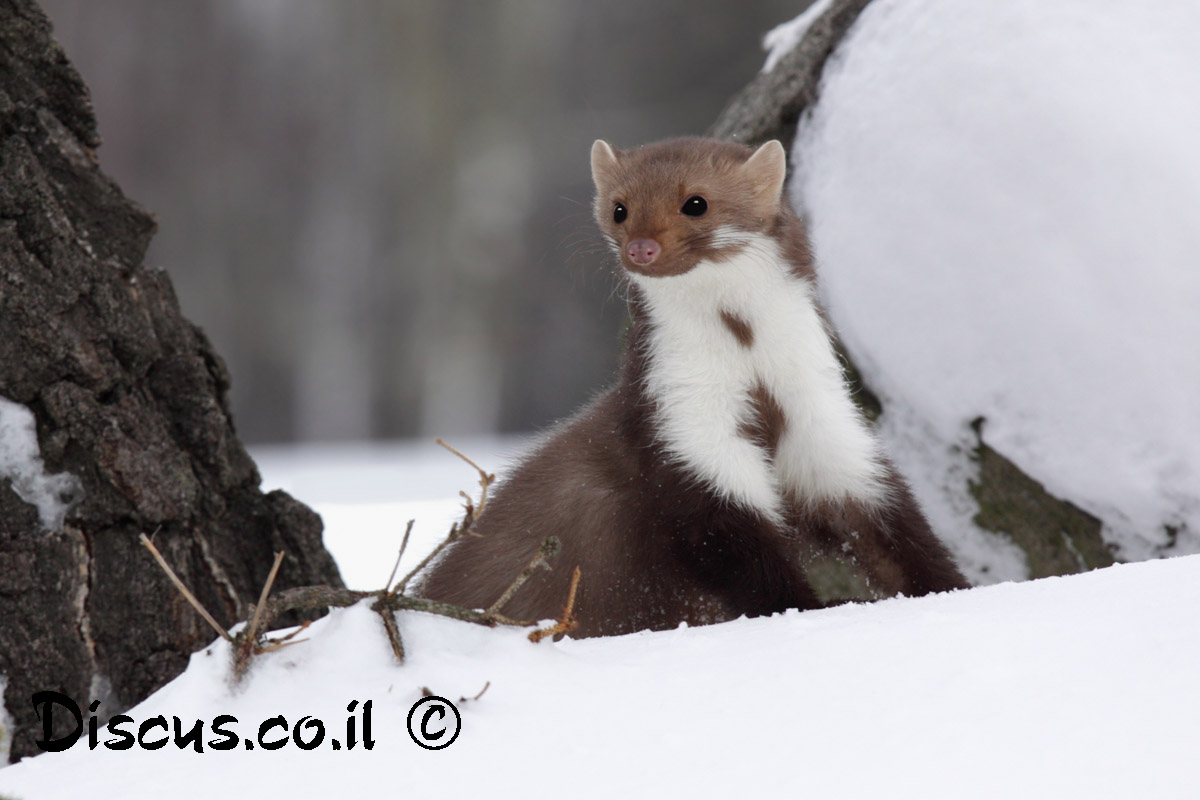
x=1002, y=202
x=1077, y=686
x=5, y=724
x=780, y=40
x=21, y=463
x=367, y=493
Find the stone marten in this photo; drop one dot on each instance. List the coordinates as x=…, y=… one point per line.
x=729, y=450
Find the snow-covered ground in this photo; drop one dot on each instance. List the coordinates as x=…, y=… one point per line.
x=367, y=493
x=1066, y=687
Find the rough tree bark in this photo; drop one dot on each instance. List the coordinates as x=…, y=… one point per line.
x=130, y=398
x=1057, y=537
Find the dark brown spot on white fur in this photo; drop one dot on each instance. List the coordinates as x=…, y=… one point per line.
x=740, y=329
x=767, y=421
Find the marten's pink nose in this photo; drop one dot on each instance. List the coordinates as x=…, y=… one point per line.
x=643, y=251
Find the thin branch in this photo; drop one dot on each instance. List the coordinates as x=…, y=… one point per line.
x=485, y=480
x=313, y=597
x=400, y=555
x=310, y=597
x=271, y=648
x=191, y=598
x=389, y=624
x=453, y=536
x=541, y=560
x=567, y=622
x=262, y=597
x=465, y=699
x=500, y=619
x=465, y=458
x=454, y=612
x=301, y=628
x=246, y=643
x=457, y=531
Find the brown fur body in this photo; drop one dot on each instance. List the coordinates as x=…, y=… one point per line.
x=655, y=546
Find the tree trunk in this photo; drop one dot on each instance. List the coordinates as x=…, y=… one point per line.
x=130, y=402
x=1057, y=537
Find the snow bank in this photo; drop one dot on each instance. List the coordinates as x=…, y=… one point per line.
x=21, y=463
x=1002, y=198
x=1066, y=687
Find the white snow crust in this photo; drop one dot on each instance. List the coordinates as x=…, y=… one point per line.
x=1002, y=199
x=21, y=463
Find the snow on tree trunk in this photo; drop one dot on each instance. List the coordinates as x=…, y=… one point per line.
x=114, y=411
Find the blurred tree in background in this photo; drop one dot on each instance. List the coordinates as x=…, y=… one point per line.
x=380, y=211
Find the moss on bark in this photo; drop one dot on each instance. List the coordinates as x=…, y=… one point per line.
x=1057, y=537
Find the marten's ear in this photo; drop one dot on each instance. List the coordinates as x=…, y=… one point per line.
x=604, y=163
x=767, y=168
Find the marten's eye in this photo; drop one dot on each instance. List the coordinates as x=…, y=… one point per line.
x=620, y=212
x=694, y=206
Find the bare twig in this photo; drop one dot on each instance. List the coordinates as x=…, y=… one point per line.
x=453, y=536
x=458, y=530
x=301, y=628
x=567, y=622
x=476, y=697
x=246, y=644
x=403, y=546
x=308, y=597
x=312, y=597
x=262, y=597
x=540, y=560
x=389, y=624
x=485, y=480
x=279, y=645
x=191, y=598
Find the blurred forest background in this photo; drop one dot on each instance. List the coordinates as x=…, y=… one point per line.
x=380, y=210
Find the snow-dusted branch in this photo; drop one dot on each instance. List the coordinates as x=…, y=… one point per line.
x=771, y=104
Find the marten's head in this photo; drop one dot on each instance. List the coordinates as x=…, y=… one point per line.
x=668, y=206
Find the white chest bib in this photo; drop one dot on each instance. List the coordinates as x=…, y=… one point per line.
x=701, y=377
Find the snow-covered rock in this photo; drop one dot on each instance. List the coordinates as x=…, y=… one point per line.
x=1002, y=200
